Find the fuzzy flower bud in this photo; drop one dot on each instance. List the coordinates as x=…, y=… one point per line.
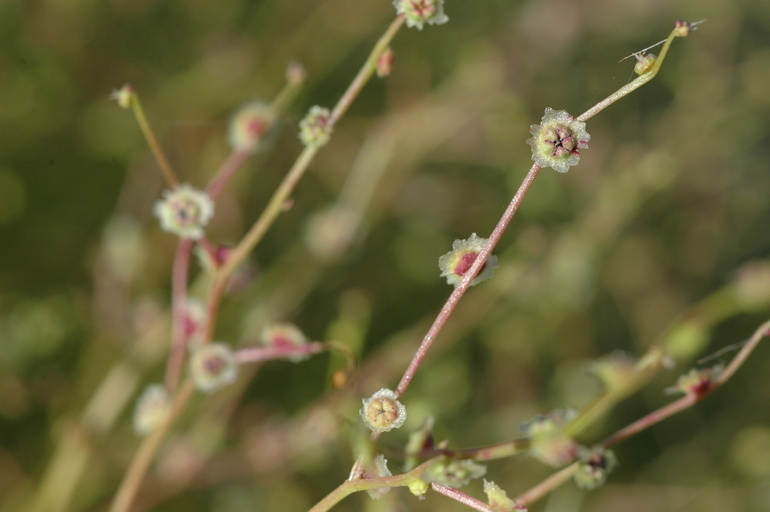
x=212, y=366
x=385, y=62
x=152, y=408
x=284, y=335
x=184, y=211
x=454, y=473
x=314, y=129
x=499, y=501
x=418, y=487
x=556, y=140
x=457, y=262
x=382, y=412
x=249, y=125
x=594, y=467
x=548, y=443
x=697, y=381
x=683, y=28
x=419, y=12
x=123, y=96
x=644, y=63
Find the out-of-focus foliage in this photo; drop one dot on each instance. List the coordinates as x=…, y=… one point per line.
x=667, y=206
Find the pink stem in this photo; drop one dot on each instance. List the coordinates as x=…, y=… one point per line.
x=463, y=498
x=458, y=292
x=179, y=313
x=226, y=172
x=256, y=354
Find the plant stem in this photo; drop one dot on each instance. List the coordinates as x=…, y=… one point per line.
x=547, y=485
x=152, y=141
x=463, y=498
x=146, y=453
x=460, y=289
x=277, y=202
x=226, y=172
x=631, y=86
x=179, y=314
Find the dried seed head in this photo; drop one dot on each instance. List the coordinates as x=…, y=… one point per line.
x=382, y=412
x=419, y=12
x=594, y=467
x=499, y=501
x=456, y=263
x=314, y=129
x=152, y=408
x=212, y=367
x=249, y=125
x=556, y=141
x=184, y=211
x=644, y=63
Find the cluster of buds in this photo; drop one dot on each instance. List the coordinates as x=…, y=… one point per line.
x=548, y=443
x=184, y=211
x=594, y=467
x=454, y=473
x=152, y=409
x=213, y=366
x=419, y=12
x=382, y=412
x=556, y=140
x=456, y=263
x=314, y=129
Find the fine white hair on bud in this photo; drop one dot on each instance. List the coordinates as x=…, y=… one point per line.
x=382, y=412
x=184, y=211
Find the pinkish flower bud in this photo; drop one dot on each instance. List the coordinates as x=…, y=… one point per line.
x=123, y=96
x=152, y=408
x=284, y=335
x=382, y=412
x=499, y=501
x=295, y=73
x=557, y=139
x=594, y=467
x=419, y=12
x=385, y=62
x=644, y=63
x=314, y=129
x=456, y=263
x=696, y=382
x=683, y=28
x=548, y=443
x=454, y=473
x=184, y=211
x=249, y=125
x=212, y=366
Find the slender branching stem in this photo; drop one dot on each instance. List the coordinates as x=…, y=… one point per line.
x=631, y=86
x=284, y=190
x=152, y=141
x=227, y=171
x=465, y=283
x=133, y=478
x=178, y=349
x=460, y=496
x=547, y=485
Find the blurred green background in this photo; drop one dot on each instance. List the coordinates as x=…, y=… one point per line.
x=669, y=205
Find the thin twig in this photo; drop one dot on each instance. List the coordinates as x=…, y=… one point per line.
x=178, y=347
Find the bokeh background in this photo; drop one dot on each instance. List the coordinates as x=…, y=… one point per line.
x=667, y=209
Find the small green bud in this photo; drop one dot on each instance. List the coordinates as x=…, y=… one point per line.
x=644, y=63
x=499, y=501
x=418, y=487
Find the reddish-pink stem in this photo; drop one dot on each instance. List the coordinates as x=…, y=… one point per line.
x=256, y=354
x=463, y=498
x=179, y=313
x=458, y=292
x=226, y=172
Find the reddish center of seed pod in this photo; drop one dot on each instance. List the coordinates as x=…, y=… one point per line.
x=465, y=263
x=256, y=127
x=213, y=365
